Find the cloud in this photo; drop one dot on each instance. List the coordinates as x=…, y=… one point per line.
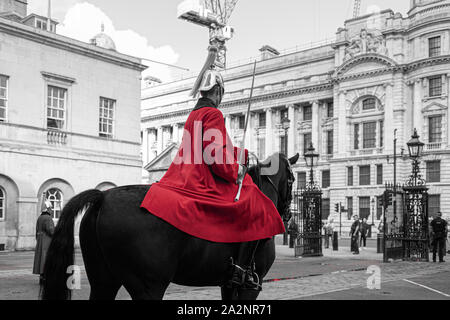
x=83, y=20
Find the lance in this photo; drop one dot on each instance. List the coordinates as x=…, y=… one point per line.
x=242, y=155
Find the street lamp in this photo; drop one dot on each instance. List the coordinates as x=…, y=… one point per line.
x=415, y=146
x=285, y=124
x=311, y=159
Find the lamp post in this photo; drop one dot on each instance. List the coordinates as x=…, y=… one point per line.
x=285, y=124
x=311, y=159
x=415, y=222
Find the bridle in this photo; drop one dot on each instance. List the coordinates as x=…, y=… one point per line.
x=287, y=201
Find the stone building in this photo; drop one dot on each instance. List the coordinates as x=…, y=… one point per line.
x=66, y=125
x=381, y=77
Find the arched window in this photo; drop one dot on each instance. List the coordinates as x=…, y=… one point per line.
x=369, y=104
x=2, y=204
x=55, y=197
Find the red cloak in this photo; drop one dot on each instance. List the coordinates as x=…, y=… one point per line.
x=197, y=196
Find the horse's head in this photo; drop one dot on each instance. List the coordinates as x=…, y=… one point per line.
x=275, y=179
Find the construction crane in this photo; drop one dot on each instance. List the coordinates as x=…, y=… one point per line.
x=356, y=8
x=213, y=14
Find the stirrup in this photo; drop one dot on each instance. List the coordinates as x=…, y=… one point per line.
x=252, y=280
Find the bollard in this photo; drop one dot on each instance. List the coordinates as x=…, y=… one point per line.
x=335, y=241
x=380, y=243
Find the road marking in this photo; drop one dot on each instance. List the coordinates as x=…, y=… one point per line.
x=428, y=288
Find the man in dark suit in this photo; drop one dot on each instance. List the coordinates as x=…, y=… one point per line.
x=438, y=236
x=354, y=234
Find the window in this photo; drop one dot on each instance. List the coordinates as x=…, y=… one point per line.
x=364, y=176
x=307, y=139
x=307, y=113
x=325, y=209
x=435, y=85
x=241, y=120
x=106, y=122
x=433, y=171
x=2, y=204
x=283, y=114
x=350, y=176
x=330, y=109
x=434, y=47
x=3, y=97
x=262, y=120
x=349, y=208
x=55, y=197
x=435, y=129
x=364, y=207
x=326, y=179
x=356, y=137
x=56, y=107
x=434, y=205
x=261, y=148
x=369, y=135
x=369, y=104
x=301, y=180
x=379, y=174
x=381, y=133
x=330, y=134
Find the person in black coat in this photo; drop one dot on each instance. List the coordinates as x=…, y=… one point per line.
x=354, y=234
x=44, y=232
x=439, y=231
x=364, y=231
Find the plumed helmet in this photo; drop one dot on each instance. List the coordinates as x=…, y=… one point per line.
x=210, y=79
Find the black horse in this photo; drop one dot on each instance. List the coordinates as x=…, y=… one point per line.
x=124, y=245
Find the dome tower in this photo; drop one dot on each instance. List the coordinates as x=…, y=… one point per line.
x=103, y=40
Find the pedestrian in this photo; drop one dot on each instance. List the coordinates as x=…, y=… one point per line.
x=44, y=232
x=328, y=231
x=438, y=236
x=364, y=232
x=354, y=234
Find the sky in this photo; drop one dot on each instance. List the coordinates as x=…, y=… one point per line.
x=150, y=28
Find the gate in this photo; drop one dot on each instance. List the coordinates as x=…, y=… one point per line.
x=307, y=210
x=406, y=234
x=393, y=223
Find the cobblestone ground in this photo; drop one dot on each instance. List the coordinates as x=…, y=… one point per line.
x=307, y=278
x=321, y=284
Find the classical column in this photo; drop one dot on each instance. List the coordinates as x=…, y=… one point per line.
x=291, y=133
x=315, y=125
x=417, y=112
x=447, y=127
x=145, y=146
x=160, y=143
x=389, y=126
x=249, y=134
x=342, y=124
x=176, y=133
x=228, y=124
x=269, y=132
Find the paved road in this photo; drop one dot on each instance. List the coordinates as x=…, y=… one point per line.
x=337, y=275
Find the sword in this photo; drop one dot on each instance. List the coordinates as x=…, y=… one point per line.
x=242, y=155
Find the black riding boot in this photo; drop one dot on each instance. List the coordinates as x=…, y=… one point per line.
x=243, y=272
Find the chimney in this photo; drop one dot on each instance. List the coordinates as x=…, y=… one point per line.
x=268, y=52
x=15, y=9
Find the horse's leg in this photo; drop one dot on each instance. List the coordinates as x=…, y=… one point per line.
x=104, y=286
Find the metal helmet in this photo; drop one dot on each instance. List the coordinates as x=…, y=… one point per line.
x=210, y=79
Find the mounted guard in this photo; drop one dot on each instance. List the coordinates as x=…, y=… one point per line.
x=201, y=185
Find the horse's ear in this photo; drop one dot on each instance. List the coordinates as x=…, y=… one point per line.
x=294, y=159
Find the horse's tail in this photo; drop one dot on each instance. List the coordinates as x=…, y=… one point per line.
x=60, y=255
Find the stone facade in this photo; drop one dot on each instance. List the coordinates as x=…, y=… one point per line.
x=384, y=74
x=51, y=91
